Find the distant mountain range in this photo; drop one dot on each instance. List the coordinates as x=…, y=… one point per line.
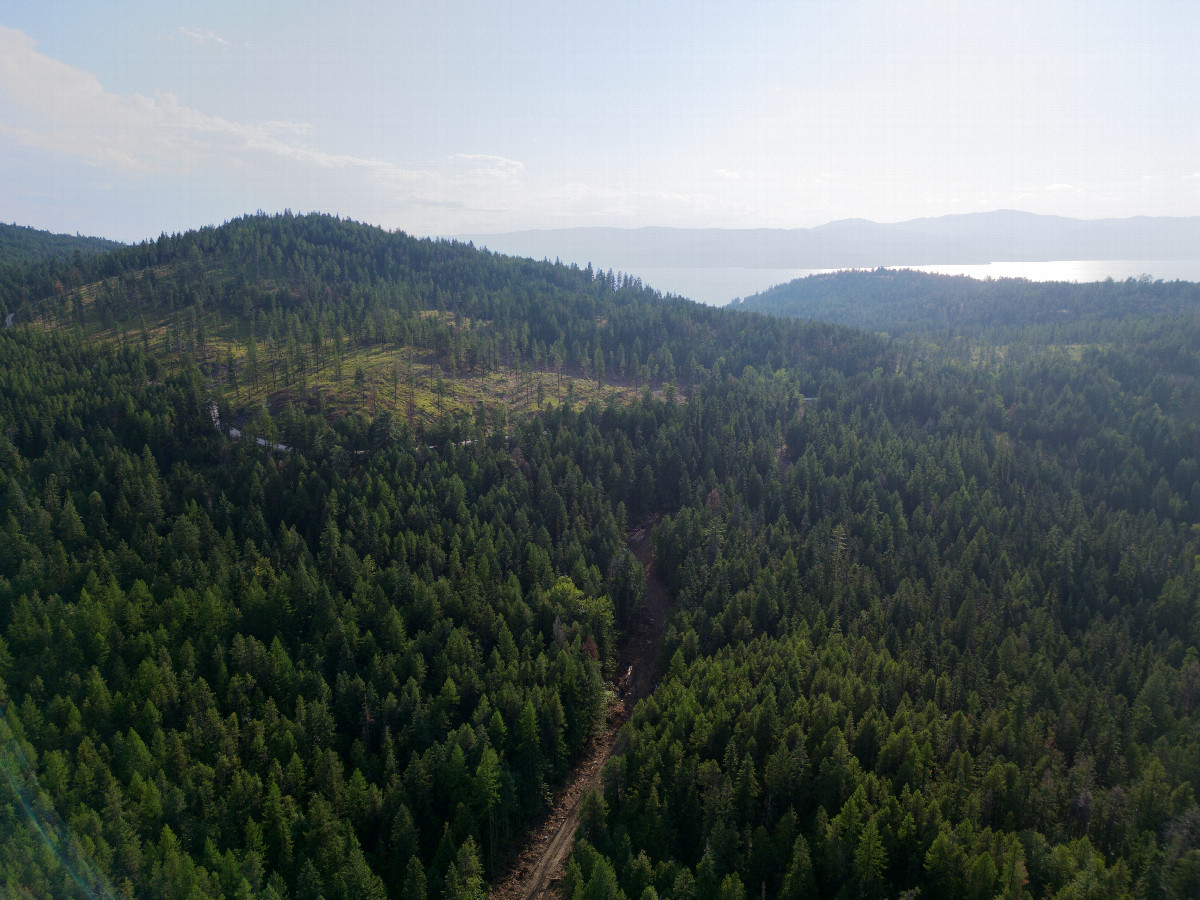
x=1003, y=235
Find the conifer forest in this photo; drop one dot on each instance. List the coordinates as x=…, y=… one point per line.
x=322, y=549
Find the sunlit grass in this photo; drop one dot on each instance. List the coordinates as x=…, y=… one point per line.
x=410, y=382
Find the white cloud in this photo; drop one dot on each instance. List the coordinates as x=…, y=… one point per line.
x=300, y=128
x=726, y=173
x=203, y=37
x=56, y=107
x=487, y=166
x=63, y=110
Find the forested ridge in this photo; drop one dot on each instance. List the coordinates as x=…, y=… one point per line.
x=24, y=249
x=331, y=314
x=22, y=245
x=937, y=601
x=906, y=301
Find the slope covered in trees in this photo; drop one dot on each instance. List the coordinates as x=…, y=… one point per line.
x=950, y=647
x=315, y=668
x=905, y=301
x=332, y=313
x=937, y=610
x=354, y=667
x=24, y=249
x=20, y=245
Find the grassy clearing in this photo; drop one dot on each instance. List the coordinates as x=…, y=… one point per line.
x=412, y=382
x=407, y=381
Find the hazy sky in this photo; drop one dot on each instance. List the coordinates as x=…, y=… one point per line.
x=128, y=119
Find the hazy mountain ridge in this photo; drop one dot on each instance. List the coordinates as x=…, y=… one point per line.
x=22, y=245
x=1002, y=235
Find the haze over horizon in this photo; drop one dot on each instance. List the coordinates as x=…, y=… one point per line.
x=126, y=120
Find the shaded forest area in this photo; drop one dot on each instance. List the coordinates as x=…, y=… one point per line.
x=26, y=253
x=937, y=603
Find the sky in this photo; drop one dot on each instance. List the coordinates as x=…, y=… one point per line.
x=126, y=120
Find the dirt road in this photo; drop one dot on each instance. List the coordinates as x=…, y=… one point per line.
x=643, y=644
x=538, y=870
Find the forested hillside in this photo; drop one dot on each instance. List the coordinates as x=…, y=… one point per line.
x=335, y=315
x=20, y=245
x=23, y=249
x=950, y=646
x=936, y=617
x=905, y=301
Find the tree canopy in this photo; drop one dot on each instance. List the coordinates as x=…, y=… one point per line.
x=936, y=596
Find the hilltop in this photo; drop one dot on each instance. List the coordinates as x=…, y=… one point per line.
x=333, y=314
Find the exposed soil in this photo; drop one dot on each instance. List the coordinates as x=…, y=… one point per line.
x=538, y=869
x=643, y=644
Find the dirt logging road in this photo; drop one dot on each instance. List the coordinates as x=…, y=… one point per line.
x=538, y=868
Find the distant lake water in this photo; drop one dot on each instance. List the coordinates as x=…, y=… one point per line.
x=717, y=286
